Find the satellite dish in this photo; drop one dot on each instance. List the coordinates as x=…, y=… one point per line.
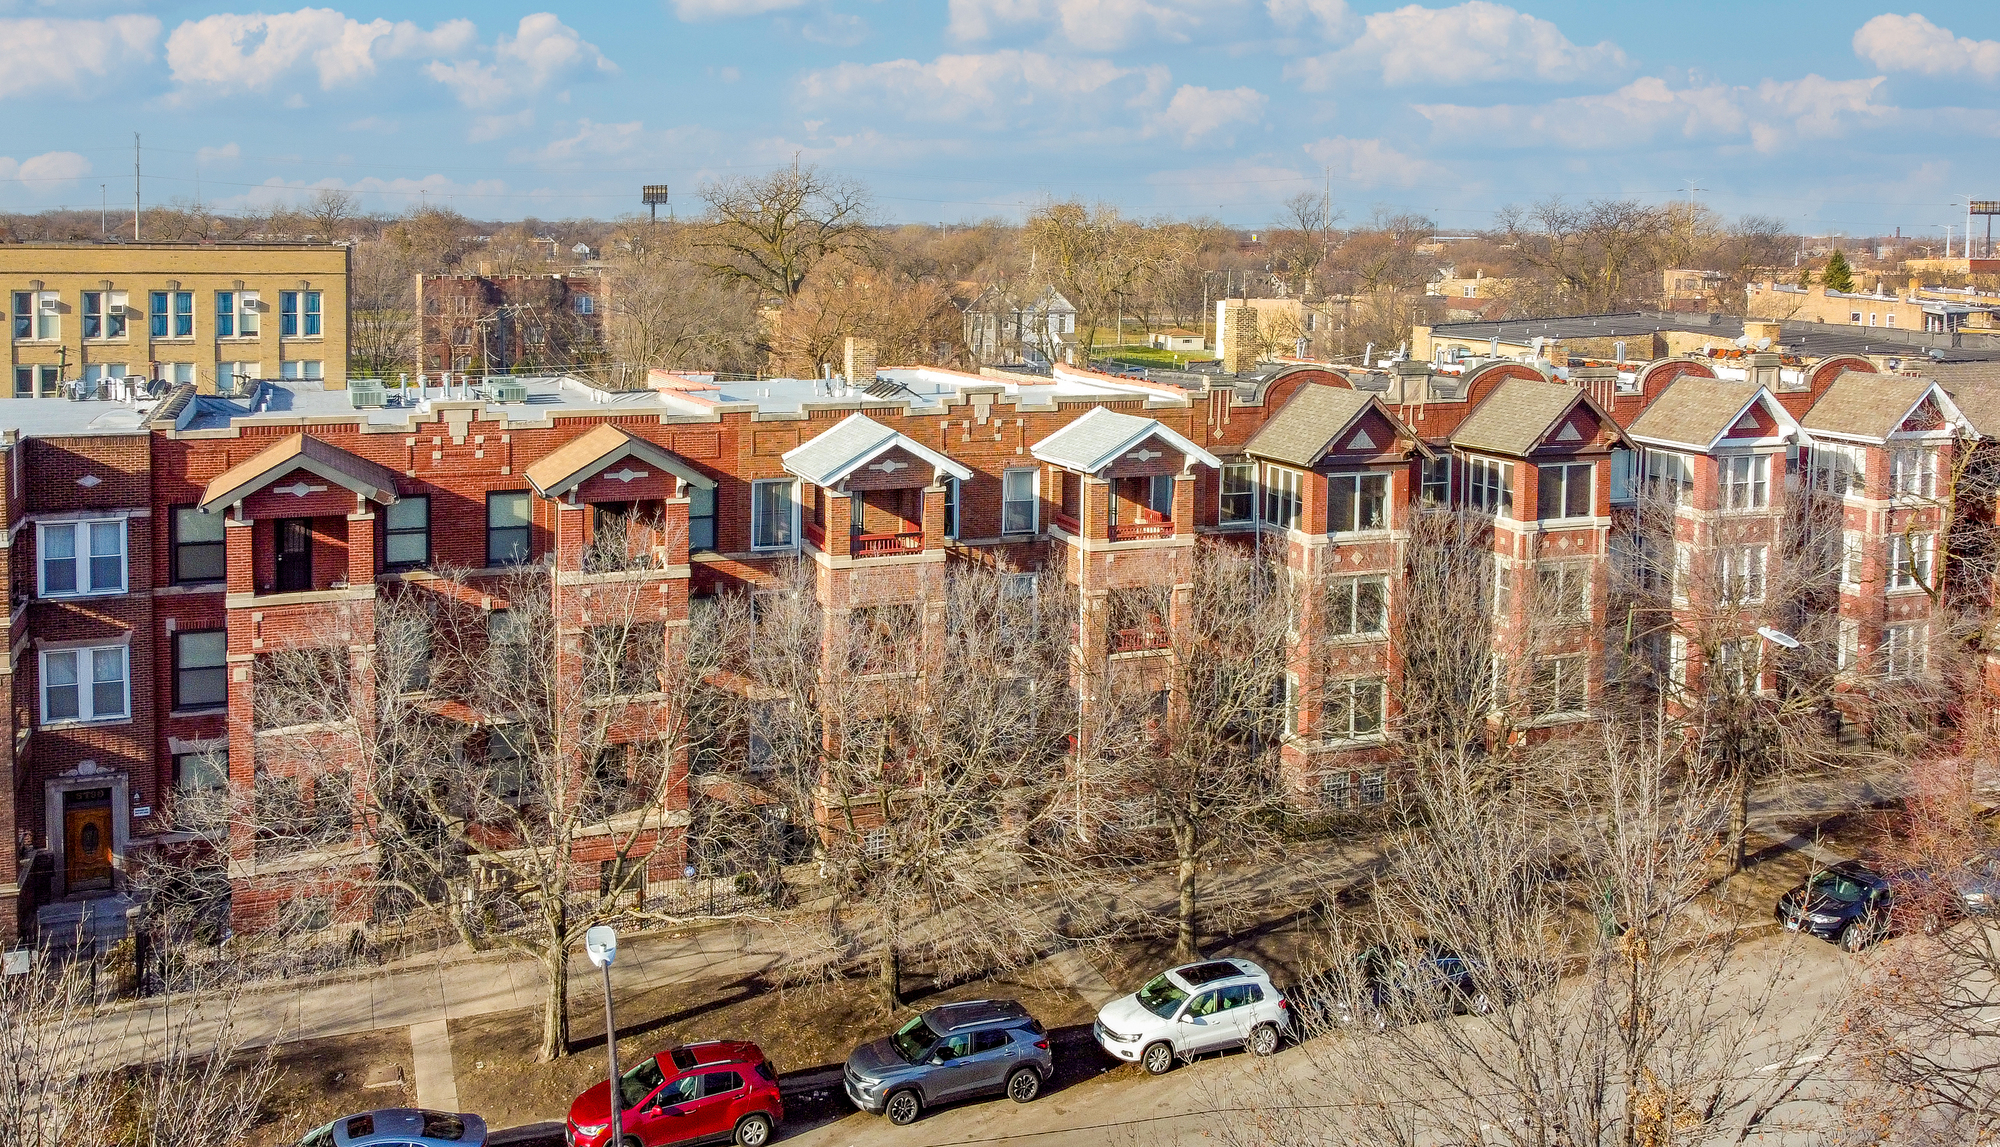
x=1764, y=344
x=1743, y=343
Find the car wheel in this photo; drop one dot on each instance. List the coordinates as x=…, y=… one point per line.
x=1024, y=1085
x=633, y=1141
x=1481, y=1005
x=1263, y=1040
x=1853, y=938
x=1157, y=1059
x=903, y=1108
x=753, y=1130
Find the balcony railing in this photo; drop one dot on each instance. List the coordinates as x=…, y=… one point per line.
x=1134, y=640
x=1140, y=531
x=903, y=543
x=816, y=534
x=1065, y=522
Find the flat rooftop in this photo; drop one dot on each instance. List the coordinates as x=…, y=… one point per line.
x=57, y=417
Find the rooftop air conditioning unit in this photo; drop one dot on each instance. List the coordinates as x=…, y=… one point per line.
x=363, y=393
x=506, y=390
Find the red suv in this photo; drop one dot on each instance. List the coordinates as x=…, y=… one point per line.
x=722, y=1091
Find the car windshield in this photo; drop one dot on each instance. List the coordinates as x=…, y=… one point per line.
x=640, y=1082
x=1835, y=886
x=913, y=1039
x=1161, y=996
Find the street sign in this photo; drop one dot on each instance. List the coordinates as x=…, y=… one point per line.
x=600, y=943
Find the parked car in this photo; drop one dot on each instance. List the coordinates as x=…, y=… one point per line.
x=1195, y=1008
x=722, y=1091
x=400, y=1127
x=1384, y=986
x=954, y=1051
x=1846, y=904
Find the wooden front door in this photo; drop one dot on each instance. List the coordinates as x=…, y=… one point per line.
x=295, y=555
x=87, y=846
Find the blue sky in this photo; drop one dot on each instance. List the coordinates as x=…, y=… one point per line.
x=1837, y=116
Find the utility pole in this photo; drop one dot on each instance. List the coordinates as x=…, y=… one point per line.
x=135, y=187
x=103, y=211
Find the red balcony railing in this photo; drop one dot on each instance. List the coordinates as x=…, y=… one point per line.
x=816, y=534
x=1134, y=640
x=905, y=543
x=1140, y=531
x=1065, y=522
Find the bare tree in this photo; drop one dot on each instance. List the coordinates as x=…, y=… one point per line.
x=329, y=212
x=1586, y=258
x=769, y=233
x=910, y=320
x=668, y=311
x=1095, y=257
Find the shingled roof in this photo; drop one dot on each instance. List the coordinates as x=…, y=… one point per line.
x=1695, y=411
x=1861, y=404
x=301, y=452
x=1302, y=430
x=1097, y=439
x=1518, y=415
x=580, y=459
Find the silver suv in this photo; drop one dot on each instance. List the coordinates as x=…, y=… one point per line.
x=1194, y=1008
x=956, y=1051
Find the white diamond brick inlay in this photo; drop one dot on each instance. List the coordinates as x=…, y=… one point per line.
x=627, y=474
x=89, y=480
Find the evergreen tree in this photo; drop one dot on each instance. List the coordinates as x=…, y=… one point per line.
x=1805, y=277
x=1837, y=276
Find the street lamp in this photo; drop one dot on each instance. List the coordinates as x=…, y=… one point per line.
x=1777, y=637
x=600, y=943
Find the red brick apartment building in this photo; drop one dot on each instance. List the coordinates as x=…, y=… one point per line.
x=155, y=549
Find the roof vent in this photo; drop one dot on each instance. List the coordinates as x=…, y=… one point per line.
x=884, y=388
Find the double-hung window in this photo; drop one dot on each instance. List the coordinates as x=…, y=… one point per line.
x=1910, y=561
x=1490, y=486
x=89, y=684
x=1850, y=557
x=1357, y=502
x=773, y=514
x=1353, y=709
x=1745, y=481
x=1281, y=497
x=1435, y=487
x=298, y=314
x=507, y=524
x=203, y=771
x=701, y=518
x=199, y=548
x=1669, y=477
x=307, y=369
x=1737, y=665
x=407, y=531
x=1560, y=685
x=1905, y=650
x=1237, y=504
x=104, y=314
x=201, y=671
x=1563, y=491
x=24, y=315
x=1357, y=606
x=1019, y=506
x=1563, y=590
x=1743, y=573
x=235, y=314
x=1837, y=469
x=82, y=557
x=1913, y=472
x=37, y=315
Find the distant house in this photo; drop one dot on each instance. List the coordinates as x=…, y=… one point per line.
x=1003, y=328
x=1178, y=338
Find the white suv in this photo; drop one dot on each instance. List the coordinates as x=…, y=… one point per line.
x=1195, y=1008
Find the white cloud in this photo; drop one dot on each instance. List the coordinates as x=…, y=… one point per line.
x=228, y=52
x=40, y=54
x=227, y=153
x=49, y=167
x=692, y=10
x=1770, y=116
x=1496, y=43
x=1371, y=162
x=488, y=127
x=1196, y=113
x=543, y=50
x=1101, y=24
x=1913, y=44
x=1330, y=18
x=957, y=86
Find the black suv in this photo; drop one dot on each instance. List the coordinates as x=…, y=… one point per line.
x=956, y=1051
x=1847, y=904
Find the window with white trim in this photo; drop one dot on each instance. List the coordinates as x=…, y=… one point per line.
x=1742, y=569
x=87, y=684
x=1357, y=503
x=1357, y=606
x=1624, y=475
x=1236, y=505
x=308, y=369
x=1669, y=476
x=85, y=557
x=1490, y=486
x=1353, y=709
x=1905, y=650
x=1562, y=590
x=1020, y=507
x=1434, y=487
x=37, y=316
x=1281, y=496
x=1847, y=655
x=1564, y=491
x=1745, y=481
x=1561, y=684
x=201, y=671
x=104, y=314
x=1913, y=472
x=406, y=531
x=298, y=314
x=773, y=515
x=1850, y=557
x=1837, y=468
x=1910, y=560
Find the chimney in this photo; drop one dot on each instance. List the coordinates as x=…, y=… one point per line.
x=860, y=361
x=1762, y=330
x=1239, y=339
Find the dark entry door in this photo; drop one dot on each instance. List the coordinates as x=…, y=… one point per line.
x=87, y=841
x=295, y=558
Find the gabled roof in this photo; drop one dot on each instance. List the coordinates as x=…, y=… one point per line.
x=579, y=460
x=852, y=443
x=1519, y=413
x=1870, y=406
x=1696, y=412
x=1097, y=439
x=1303, y=429
x=301, y=452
